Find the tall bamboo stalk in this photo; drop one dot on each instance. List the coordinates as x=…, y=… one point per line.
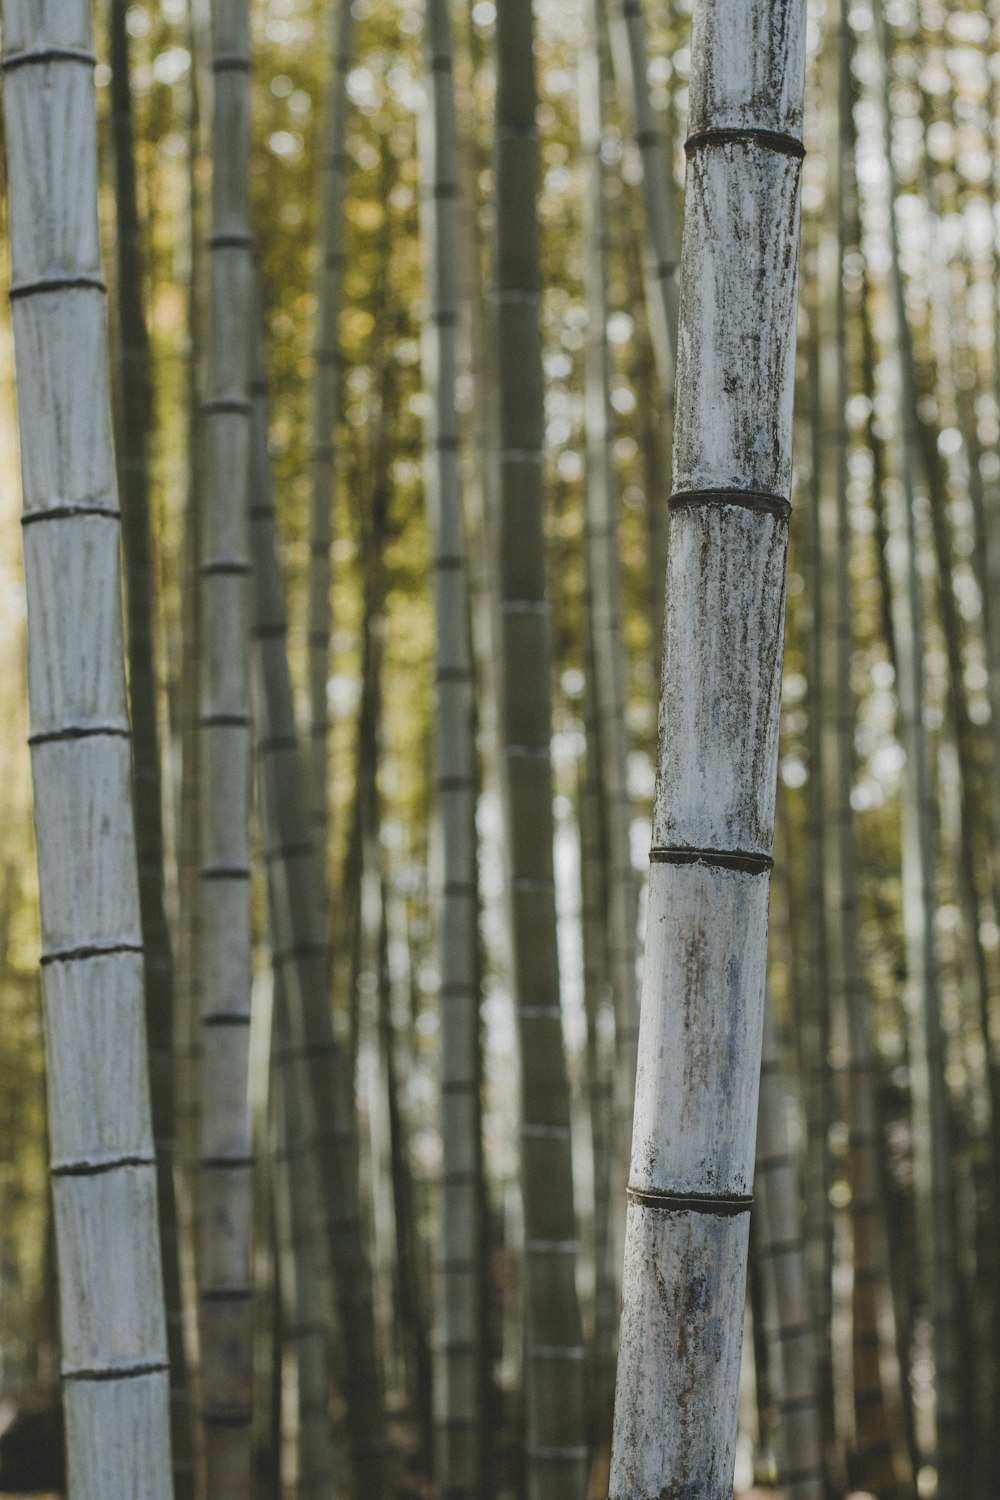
x=932, y=1163
x=604, y=599
x=459, y=1271
x=557, y=1448
x=303, y=958
x=226, y=1268
x=113, y=1329
x=789, y=1319
x=703, y=988
x=879, y=1447
x=133, y=402
x=632, y=69
x=335, y=165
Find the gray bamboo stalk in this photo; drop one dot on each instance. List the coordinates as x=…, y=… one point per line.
x=133, y=400
x=226, y=1268
x=459, y=1271
x=877, y=1389
x=604, y=599
x=713, y=824
x=556, y=1420
x=631, y=68
x=113, y=1326
x=598, y=1004
x=303, y=957
x=789, y=1317
x=932, y=1161
x=309, y=1327
x=335, y=166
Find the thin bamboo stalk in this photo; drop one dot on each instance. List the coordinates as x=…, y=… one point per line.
x=632, y=69
x=113, y=1326
x=303, y=956
x=335, y=165
x=604, y=600
x=932, y=1166
x=459, y=1272
x=557, y=1450
x=133, y=402
x=226, y=1266
x=703, y=987
x=788, y=1309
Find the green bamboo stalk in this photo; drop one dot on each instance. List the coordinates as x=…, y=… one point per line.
x=335, y=165
x=459, y=1273
x=303, y=958
x=604, y=598
x=133, y=406
x=557, y=1449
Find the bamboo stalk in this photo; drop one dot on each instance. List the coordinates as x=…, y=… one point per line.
x=303, y=957
x=133, y=403
x=113, y=1327
x=459, y=1272
x=557, y=1450
x=703, y=986
x=335, y=165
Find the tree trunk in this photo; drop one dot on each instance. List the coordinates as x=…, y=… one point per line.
x=557, y=1446
x=114, y=1342
x=703, y=990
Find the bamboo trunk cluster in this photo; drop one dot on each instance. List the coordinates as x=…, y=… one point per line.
x=703, y=987
x=556, y=1443
x=114, y=1345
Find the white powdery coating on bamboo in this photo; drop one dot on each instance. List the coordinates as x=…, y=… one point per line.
x=703, y=986
x=678, y=1364
x=696, y=1099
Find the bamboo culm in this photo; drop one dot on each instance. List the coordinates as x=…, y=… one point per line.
x=604, y=599
x=113, y=1326
x=303, y=956
x=133, y=398
x=335, y=166
x=226, y=1266
x=703, y=986
x=458, y=1288
x=789, y=1320
x=557, y=1451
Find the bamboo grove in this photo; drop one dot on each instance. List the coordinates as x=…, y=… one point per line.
x=500, y=838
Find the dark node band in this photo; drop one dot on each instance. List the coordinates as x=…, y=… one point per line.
x=70, y=513
x=771, y=140
x=694, y=1203
x=723, y=859
x=46, y=55
x=761, y=501
x=43, y=285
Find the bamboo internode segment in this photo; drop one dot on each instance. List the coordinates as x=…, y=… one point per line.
x=713, y=820
x=113, y=1329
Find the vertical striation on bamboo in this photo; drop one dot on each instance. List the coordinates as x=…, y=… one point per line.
x=703, y=986
x=113, y=1327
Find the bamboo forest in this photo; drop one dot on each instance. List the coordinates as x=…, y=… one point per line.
x=500, y=750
